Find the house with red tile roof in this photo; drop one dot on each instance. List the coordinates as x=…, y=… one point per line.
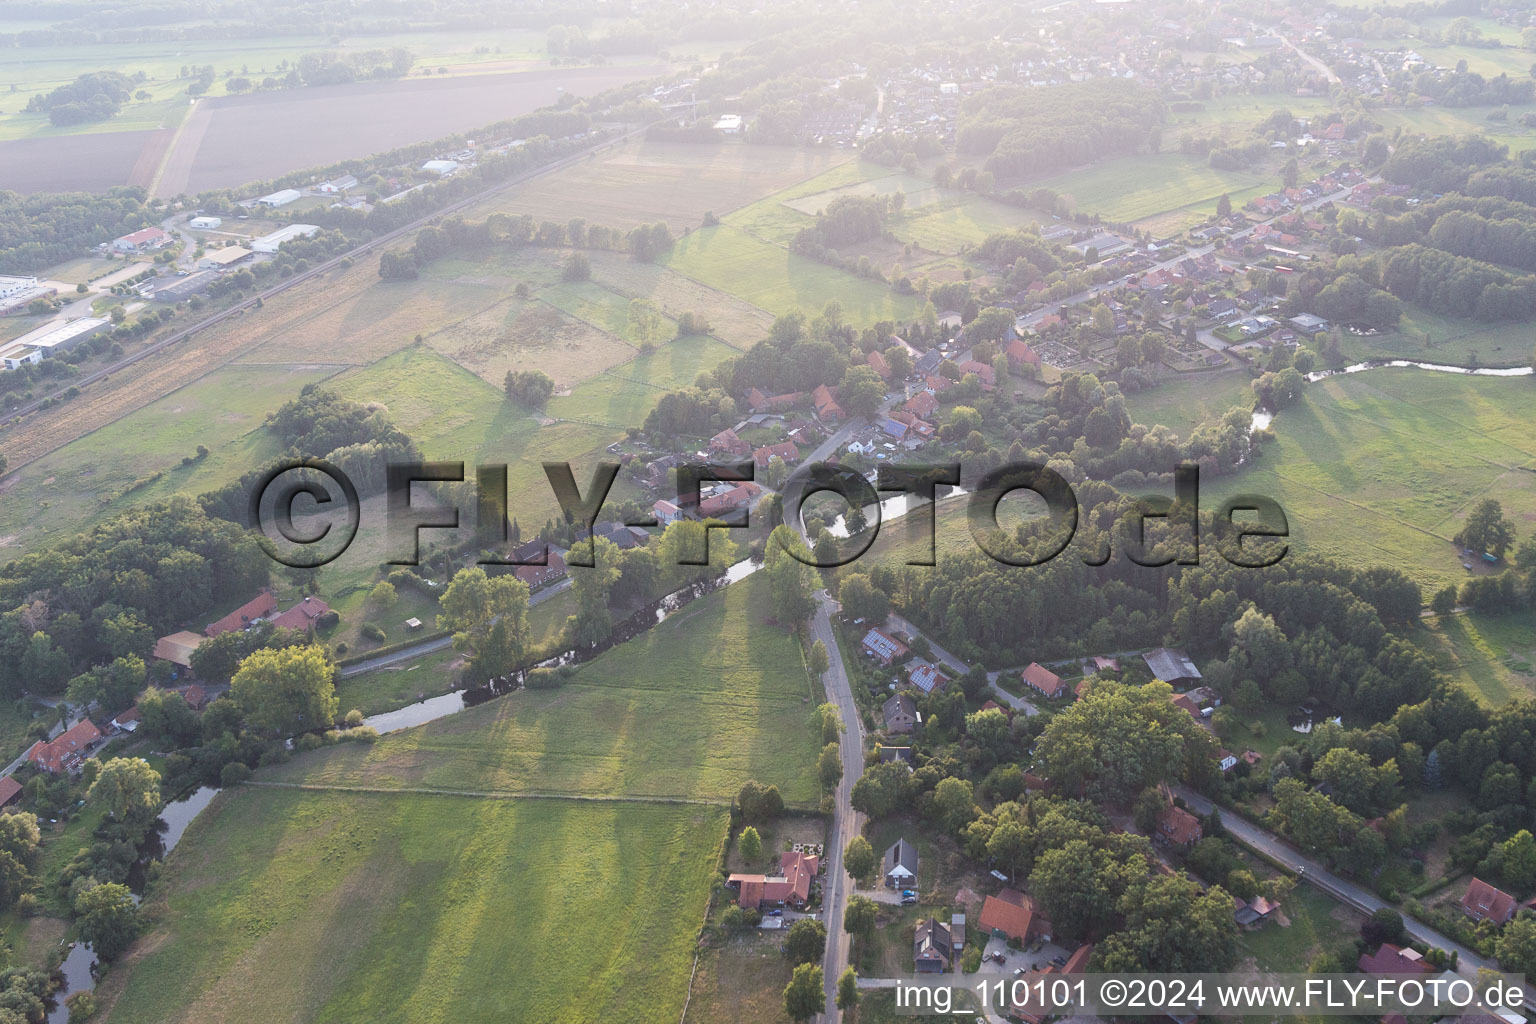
x=879, y=365
x=1042, y=680
x=884, y=646
x=1390, y=959
x=1077, y=963
x=922, y=405
x=927, y=677
x=937, y=384
x=302, y=615
x=727, y=443
x=540, y=575
x=983, y=372
x=259, y=607
x=10, y=791
x=1021, y=355
x=758, y=402
x=825, y=401
x=740, y=496
x=1013, y=915
x=1178, y=827
x=790, y=887
x=1485, y=903
x=67, y=751
x=787, y=451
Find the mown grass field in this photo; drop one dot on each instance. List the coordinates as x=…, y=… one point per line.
x=1439, y=339
x=950, y=227
x=306, y=906
x=1184, y=401
x=1493, y=655
x=692, y=709
x=1139, y=187
x=1382, y=466
x=779, y=281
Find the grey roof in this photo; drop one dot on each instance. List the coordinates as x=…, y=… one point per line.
x=899, y=703
x=929, y=361
x=902, y=853
x=1170, y=664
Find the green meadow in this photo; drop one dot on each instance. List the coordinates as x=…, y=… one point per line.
x=1381, y=467
x=779, y=281
x=691, y=709
x=281, y=905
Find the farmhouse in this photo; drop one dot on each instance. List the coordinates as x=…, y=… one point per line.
x=932, y=947
x=1012, y=915
x=825, y=401
x=1485, y=903
x=879, y=365
x=1042, y=680
x=178, y=647
x=1178, y=827
x=883, y=646
x=726, y=502
x=229, y=256
x=900, y=865
x=270, y=243
x=10, y=791
x=67, y=751
x=63, y=335
x=282, y=197
x=258, y=607
x=900, y=714
x=302, y=615
x=983, y=372
x=791, y=886
x=142, y=240
x=922, y=404
x=540, y=575
x=1171, y=665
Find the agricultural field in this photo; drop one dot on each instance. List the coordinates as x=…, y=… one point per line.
x=663, y=716
x=779, y=281
x=643, y=181
x=515, y=334
x=951, y=227
x=737, y=323
x=1383, y=465
x=290, y=903
x=229, y=141
x=92, y=162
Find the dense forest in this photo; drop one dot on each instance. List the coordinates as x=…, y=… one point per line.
x=1021, y=130
x=43, y=229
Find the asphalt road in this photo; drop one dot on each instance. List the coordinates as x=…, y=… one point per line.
x=1313, y=872
x=846, y=822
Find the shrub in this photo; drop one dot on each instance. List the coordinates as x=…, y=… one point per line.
x=234, y=773
x=353, y=719
x=372, y=632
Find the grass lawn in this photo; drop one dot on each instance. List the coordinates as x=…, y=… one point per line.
x=1493, y=655
x=287, y=906
x=1317, y=924
x=692, y=708
x=1382, y=466
x=741, y=982
x=950, y=227
x=395, y=686
x=779, y=281
x=1184, y=401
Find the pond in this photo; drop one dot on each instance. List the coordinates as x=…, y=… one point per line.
x=1473, y=371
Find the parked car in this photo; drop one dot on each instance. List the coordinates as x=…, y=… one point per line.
x=775, y=913
x=909, y=892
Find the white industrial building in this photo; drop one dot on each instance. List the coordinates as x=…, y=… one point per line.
x=440, y=167
x=729, y=124
x=282, y=197
x=336, y=185
x=204, y=223
x=61, y=334
x=270, y=243
x=16, y=286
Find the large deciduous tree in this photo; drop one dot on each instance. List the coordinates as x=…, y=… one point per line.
x=288, y=690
